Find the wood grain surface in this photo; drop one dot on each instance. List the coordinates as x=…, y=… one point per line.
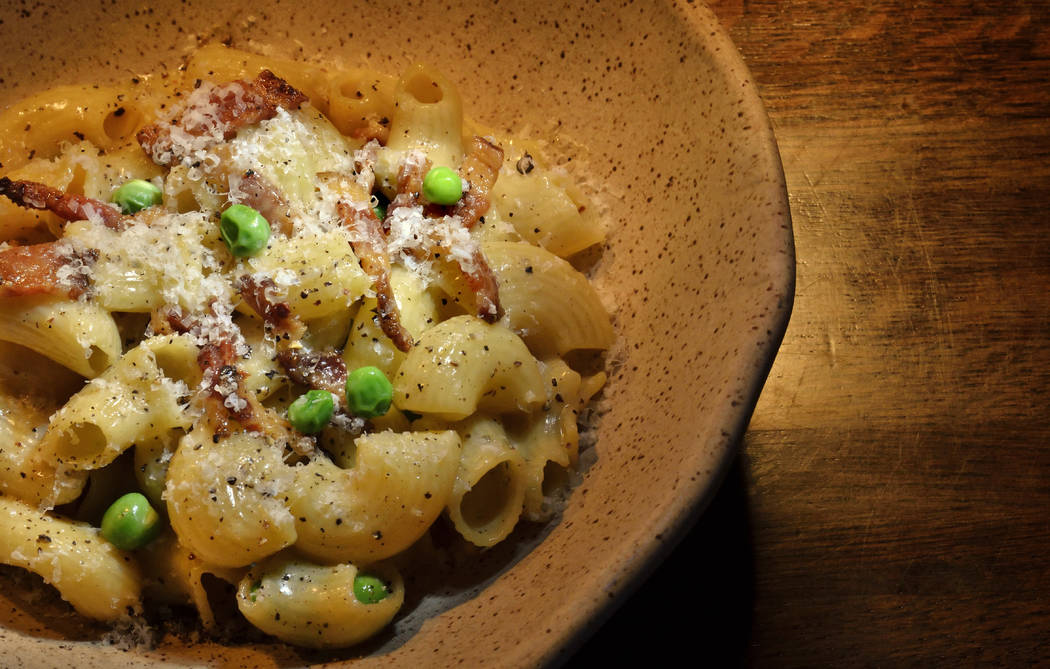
x=891, y=505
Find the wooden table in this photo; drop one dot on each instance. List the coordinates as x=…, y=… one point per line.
x=891, y=505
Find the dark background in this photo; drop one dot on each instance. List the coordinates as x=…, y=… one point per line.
x=891, y=503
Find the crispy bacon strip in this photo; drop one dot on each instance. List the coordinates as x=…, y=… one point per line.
x=371, y=252
x=168, y=320
x=482, y=280
x=69, y=207
x=409, y=184
x=36, y=270
x=256, y=294
x=218, y=362
x=224, y=111
x=376, y=127
x=325, y=371
x=223, y=379
x=480, y=167
x=254, y=190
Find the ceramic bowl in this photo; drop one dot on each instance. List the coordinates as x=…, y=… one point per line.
x=699, y=266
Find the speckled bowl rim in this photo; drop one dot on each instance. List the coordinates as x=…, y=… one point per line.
x=727, y=59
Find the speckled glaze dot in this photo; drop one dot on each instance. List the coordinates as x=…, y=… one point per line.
x=699, y=268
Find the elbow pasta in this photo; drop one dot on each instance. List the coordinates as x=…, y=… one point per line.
x=185, y=355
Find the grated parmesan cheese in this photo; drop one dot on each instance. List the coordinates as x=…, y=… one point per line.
x=73, y=270
x=200, y=129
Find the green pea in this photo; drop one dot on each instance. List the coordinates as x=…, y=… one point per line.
x=136, y=195
x=370, y=589
x=442, y=185
x=310, y=412
x=380, y=211
x=368, y=392
x=254, y=590
x=244, y=230
x=130, y=522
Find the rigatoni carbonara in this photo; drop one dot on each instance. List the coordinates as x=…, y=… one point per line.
x=315, y=309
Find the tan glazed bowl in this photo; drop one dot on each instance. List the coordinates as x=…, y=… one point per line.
x=699, y=269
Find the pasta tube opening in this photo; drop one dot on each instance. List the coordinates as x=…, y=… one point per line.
x=121, y=123
x=489, y=493
x=424, y=88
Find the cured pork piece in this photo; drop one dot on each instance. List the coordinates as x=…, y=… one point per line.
x=51, y=268
x=370, y=248
x=67, y=206
x=480, y=168
x=214, y=114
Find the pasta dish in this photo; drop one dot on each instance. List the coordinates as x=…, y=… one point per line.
x=264, y=323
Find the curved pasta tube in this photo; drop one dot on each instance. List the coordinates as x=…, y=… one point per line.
x=173, y=574
x=355, y=96
x=550, y=442
x=43, y=484
x=489, y=492
x=428, y=115
x=99, y=580
x=107, y=116
x=226, y=499
x=97, y=174
x=463, y=364
x=156, y=261
x=81, y=336
x=318, y=276
x=399, y=484
x=313, y=605
x=289, y=150
x=21, y=475
x=544, y=207
x=545, y=300
x=134, y=400
x=367, y=345
x=25, y=406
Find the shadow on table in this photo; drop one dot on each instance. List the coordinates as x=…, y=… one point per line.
x=697, y=606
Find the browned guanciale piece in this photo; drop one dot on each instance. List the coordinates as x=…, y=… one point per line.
x=38, y=270
x=216, y=114
x=167, y=320
x=253, y=189
x=226, y=398
x=480, y=168
x=324, y=371
x=370, y=249
x=218, y=362
x=34, y=195
x=409, y=184
x=256, y=293
x=481, y=279
x=376, y=127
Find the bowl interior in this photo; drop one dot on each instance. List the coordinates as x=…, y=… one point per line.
x=698, y=271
